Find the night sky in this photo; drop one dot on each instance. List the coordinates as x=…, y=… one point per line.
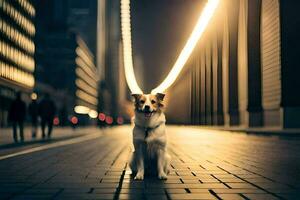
x=160, y=29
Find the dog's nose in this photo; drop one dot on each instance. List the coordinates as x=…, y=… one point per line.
x=147, y=108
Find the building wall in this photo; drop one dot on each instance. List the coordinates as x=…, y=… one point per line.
x=86, y=80
x=112, y=93
x=17, y=49
x=178, y=100
x=238, y=77
x=243, y=61
x=271, y=62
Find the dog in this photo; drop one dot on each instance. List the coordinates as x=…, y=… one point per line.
x=149, y=137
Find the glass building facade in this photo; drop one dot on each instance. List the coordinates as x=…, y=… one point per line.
x=17, y=48
x=86, y=81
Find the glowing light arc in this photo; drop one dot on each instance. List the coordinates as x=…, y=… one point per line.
x=196, y=34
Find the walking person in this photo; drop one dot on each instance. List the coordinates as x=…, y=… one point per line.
x=16, y=116
x=47, y=110
x=33, y=112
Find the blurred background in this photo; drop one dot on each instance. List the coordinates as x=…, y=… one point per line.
x=243, y=73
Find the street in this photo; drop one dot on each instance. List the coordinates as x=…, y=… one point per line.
x=206, y=164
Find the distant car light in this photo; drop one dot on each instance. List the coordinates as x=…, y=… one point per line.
x=120, y=120
x=56, y=121
x=109, y=120
x=101, y=117
x=74, y=120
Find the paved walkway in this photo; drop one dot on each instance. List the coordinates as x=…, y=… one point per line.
x=7, y=144
x=206, y=164
x=6, y=135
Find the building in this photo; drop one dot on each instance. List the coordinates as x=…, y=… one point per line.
x=244, y=71
x=65, y=41
x=17, y=49
x=69, y=71
x=113, y=92
x=86, y=81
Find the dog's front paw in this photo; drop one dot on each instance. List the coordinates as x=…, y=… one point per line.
x=139, y=176
x=162, y=176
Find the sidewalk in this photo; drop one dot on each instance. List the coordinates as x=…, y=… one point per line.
x=6, y=135
x=256, y=130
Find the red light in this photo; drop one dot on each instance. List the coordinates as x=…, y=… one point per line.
x=55, y=121
x=74, y=120
x=120, y=120
x=101, y=117
x=109, y=120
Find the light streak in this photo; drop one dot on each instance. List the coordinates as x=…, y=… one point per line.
x=202, y=23
x=200, y=27
x=81, y=109
x=93, y=114
x=127, y=48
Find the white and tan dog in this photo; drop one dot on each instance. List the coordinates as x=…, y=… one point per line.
x=149, y=137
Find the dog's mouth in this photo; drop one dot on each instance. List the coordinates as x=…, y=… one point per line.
x=148, y=114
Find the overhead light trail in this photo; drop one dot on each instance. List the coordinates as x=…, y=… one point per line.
x=201, y=24
x=127, y=48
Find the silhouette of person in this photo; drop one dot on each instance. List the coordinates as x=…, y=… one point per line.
x=47, y=110
x=34, y=113
x=16, y=115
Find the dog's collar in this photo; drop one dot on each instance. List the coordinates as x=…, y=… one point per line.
x=147, y=129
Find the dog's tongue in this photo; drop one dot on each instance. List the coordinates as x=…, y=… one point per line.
x=148, y=114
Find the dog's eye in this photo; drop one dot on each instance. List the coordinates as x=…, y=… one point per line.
x=142, y=101
x=153, y=101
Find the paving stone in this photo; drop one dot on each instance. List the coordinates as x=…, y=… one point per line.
x=156, y=197
x=154, y=191
x=273, y=186
x=291, y=196
x=232, y=180
x=50, y=191
x=132, y=196
x=194, y=190
x=191, y=196
x=85, y=196
x=32, y=196
x=196, y=181
x=173, y=181
x=131, y=191
x=176, y=191
x=230, y=197
x=211, y=180
x=102, y=191
x=241, y=185
x=234, y=191
x=261, y=196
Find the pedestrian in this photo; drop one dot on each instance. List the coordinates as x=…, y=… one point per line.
x=16, y=116
x=47, y=110
x=33, y=112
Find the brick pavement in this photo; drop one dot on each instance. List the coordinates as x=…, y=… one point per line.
x=6, y=135
x=8, y=146
x=206, y=164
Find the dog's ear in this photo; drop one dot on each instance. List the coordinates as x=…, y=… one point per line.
x=136, y=97
x=160, y=96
